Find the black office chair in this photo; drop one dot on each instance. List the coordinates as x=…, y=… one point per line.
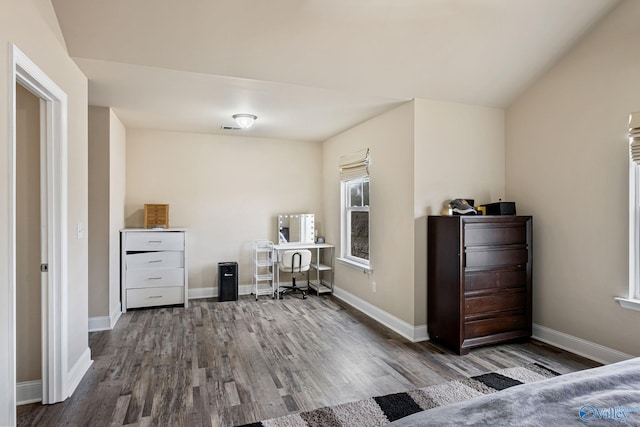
x=294, y=262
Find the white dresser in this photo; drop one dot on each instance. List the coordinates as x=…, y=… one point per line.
x=153, y=267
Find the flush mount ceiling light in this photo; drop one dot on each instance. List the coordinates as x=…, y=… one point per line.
x=244, y=121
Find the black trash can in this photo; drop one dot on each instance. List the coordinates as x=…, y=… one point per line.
x=227, y=281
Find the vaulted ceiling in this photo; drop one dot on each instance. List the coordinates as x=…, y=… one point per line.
x=311, y=68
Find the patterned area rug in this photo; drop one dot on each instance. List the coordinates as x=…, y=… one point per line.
x=381, y=410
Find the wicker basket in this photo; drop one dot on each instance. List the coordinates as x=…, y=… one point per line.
x=156, y=216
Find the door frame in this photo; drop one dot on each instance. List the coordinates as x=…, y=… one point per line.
x=53, y=130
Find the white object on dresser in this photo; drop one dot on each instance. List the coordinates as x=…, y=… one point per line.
x=153, y=267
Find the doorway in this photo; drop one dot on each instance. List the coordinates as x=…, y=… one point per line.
x=52, y=120
x=30, y=229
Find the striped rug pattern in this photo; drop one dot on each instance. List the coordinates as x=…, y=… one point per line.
x=381, y=410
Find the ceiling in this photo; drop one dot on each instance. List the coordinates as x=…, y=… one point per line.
x=310, y=69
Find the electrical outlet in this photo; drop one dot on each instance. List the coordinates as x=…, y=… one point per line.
x=373, y=287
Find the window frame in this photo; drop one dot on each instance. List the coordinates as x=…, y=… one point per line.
x=345, y=219
x=632, y=301
x=634, y=235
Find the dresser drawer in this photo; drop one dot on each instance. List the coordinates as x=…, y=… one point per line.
x=162, y=259
x=488, y=304
x=154, y=241
x=154, y=277
x=494, y=279
x=495, y=325
x=496, y=257
x=154, y=296
x=489, y=234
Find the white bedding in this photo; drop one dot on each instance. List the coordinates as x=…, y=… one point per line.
x=603, y=396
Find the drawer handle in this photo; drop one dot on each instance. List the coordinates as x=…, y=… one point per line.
x=154, y=278
x=155, y=296
x=155, y=260
x=154, y=241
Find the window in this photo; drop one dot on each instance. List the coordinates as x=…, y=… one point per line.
x=355, y=203
x=354, y=209
x=633, y=299
x=634, y=239
x=634, y=227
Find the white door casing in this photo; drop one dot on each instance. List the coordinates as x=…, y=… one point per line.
x=53, y=127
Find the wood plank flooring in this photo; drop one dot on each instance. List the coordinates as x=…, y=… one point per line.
x=229, y=363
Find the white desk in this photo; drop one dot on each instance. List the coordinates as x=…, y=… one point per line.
x=322, y=260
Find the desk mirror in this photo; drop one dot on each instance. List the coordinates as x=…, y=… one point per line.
x=296, y=228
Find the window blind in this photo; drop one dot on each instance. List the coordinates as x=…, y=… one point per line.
x=634, y=137
x=354, y=165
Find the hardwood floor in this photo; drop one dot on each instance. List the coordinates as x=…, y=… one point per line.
x=229, y=363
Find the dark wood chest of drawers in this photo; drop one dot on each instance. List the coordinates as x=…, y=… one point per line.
x=479, y=280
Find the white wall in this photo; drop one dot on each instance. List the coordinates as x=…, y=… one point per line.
x=28, y=295
x=567, y=166
x=389, y=137
x=423, y=153
x=98, y=229
x=459, y=153
x=228, y=190
x=107, y=157
x=117, y=197
x=28, y=24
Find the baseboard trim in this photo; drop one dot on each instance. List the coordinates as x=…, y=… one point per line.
x=28, y=392
x=410, y=332
x=579, y=346
x=245, y=289
x=212, y=292
x=105, y=323
x=99, y=323
x=78, y=371
x=198, y=293
x=115, y=316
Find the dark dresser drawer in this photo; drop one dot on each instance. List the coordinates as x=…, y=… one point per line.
x=478, y=234
x=490, y=304
x=496, y=257
x=495, y=325
x=494, y=279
